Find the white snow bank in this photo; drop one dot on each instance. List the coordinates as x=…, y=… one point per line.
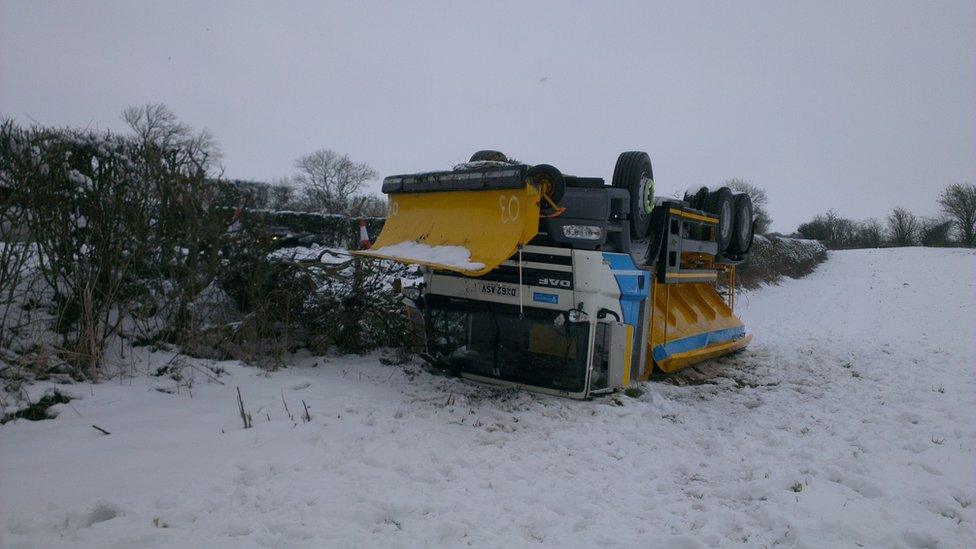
x=451, y=256
x=847, y=422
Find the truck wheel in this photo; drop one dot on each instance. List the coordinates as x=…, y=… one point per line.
x=494, y=156
x=550, y=182
x=719, y=203
x=742, y=227
x=634, y=173
x=697, y=200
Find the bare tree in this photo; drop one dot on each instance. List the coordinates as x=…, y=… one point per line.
x=157, y=127
x=14, y=232
x=831, y=229
x=870, y=233
x=251, y=194
x=86, y=210
x=185, y=204
x=958, y=201
x=367, y=205
x=903, y=227
x=329, y=180
x=282, y=195
x=760, y=202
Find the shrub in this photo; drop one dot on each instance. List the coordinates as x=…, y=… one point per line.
x=934, y=231
x=128, y=232
x=773, y=257
x=958, y=202
x=903, y=227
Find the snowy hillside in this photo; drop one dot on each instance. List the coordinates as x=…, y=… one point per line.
x=849, y=420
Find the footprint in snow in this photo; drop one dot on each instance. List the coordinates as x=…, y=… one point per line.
x=100, y=511
x=921, y=540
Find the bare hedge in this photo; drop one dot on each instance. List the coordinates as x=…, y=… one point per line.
x=773, y=257
x=130, y=236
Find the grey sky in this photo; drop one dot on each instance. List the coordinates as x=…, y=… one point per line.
x=860, y=106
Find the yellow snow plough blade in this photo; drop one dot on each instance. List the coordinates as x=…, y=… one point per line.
x=469, y=232
x=690, y=323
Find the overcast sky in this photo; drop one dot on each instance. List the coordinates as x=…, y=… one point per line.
x=859, y=106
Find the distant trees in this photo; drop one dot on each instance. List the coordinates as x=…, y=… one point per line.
x=870, y=233
x=282, y=195
x=901, y=227
x=958, y=202
x=159, y=130
x=331, y=182
x=934, y=231
x=760, y=202
x=325, y=182
x=366, y=205
x=831, y=229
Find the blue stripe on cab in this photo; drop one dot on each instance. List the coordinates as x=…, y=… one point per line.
x=628, y=276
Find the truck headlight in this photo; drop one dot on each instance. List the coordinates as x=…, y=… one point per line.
x=576, y=315
x=585, y=232
x=411, y=292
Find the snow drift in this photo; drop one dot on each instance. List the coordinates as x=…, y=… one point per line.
x=847, y=422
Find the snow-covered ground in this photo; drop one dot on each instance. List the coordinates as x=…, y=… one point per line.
x=848, y=421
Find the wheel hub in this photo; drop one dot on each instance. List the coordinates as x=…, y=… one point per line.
x=646, y=198
x=726, y=221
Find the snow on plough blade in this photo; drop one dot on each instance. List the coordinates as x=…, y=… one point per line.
x=468, y=222
x=562, y=284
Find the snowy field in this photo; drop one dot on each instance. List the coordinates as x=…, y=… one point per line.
x=849, y=421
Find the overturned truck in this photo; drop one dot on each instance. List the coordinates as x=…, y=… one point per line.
x=563, y=284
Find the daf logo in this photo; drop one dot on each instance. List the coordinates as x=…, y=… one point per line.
x=554, y=282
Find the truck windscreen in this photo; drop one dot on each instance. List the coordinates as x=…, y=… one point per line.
x=491, y=340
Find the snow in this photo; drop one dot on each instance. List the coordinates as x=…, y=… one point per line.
x=848, y=421
x=315, y=252
x=299, y=213
x=80, y=179
x=479, y=164
x=449, y=256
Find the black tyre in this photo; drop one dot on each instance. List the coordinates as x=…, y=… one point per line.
x=634, y=173
x=550, y=181
x=742, y=229
x=697, y=200
x=494, y=156
x=719, y=203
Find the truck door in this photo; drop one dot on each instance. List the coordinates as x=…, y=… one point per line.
x=610, y=366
